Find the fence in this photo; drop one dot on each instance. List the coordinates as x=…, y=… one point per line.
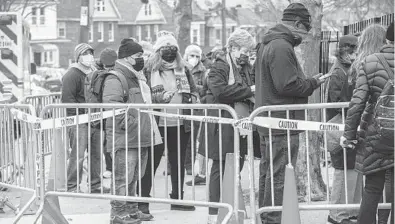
x=289, y=124
x=18, y=165
x=59, y=179
x=358, y=27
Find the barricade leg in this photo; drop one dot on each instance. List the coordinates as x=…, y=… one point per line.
x=228, y=189
x=57, y=179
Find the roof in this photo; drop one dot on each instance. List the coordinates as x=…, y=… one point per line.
x=128, y=10
x=67, y=9
x=197, y=12
x=216, y=21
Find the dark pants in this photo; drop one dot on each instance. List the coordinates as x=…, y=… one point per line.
x=383, y=214
x=108, y=159
x=172, y=146
x=373, y=192
x=189, y=161
x=280, y=160
x=215, y=184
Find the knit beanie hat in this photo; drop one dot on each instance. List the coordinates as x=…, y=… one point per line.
x=108, y=57
x=241, y=38
x=348, y=39
x=296, y=10
x=80, y=49
x=129, y=47
x=165, y=38
x=192, y=49
x=390, y=32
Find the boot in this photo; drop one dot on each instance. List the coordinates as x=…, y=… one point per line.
x=181, y=207
x=124, y=220
x=144, y=209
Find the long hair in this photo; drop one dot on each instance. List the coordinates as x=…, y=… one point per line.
x=155, y=61
x=370, y=42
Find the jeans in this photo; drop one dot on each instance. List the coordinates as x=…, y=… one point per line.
x=77, y=156
x=123, y=208
x=280, y=160
x=215, y=183
x=338, y=194
x=373, y=192
x=172, y=146
x=108, y=159
x=383, y=214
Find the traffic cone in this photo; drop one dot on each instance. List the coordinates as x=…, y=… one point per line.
x=228, y=189
x=51, y=211
x=290, y=213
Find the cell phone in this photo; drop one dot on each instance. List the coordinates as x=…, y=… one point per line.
x=327, y=75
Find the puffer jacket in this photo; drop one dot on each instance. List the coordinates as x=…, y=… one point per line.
x=199, y=74
x=377, y=155
x=113, y=93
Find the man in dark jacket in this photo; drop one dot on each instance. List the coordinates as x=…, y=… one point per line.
x=339, y=88
x=74, y=91
x=279, y=80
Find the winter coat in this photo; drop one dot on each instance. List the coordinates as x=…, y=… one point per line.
x=113, y=93
x=219, y=92
x=340, y=90
x=198, y=74
x=279, y=79
x=378, y=155
x=73, y=89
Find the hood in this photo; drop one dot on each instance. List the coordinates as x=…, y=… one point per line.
x=388, y=48
x=82, y=68
x=279, y=31
x=198, y=68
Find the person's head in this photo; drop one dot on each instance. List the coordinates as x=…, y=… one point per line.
x=84, y=54
x=132, y=53
x=165, y=51
x=147, y=48
x=390, y=34
x=108, y=57
x=371, y=41
x=239, y=45
x=193, y=54
x=297, y=15
x=347, y=48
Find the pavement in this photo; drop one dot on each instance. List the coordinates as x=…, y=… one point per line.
x=96, y=211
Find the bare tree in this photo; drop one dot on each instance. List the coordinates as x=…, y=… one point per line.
x=183, y=18
x=21, y=5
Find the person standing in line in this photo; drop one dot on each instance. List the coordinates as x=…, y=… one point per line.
x=280, y=80
x=375, y=75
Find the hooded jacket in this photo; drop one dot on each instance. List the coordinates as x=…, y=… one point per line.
x=279, y=78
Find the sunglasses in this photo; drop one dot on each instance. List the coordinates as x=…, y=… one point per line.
x=172, y=48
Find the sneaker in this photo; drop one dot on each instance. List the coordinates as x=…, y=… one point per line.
x=142, y=216
x=124, y=220
x=332, y=221
x=107, y=174
x=106, y=190
x=198, y=181
x=347, y=221
x=182, y=208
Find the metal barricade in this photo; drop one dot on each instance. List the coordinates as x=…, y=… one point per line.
x=18, y=164
x=141, y=134
x=311, y=126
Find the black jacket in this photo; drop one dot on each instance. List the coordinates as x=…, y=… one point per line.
x=279, y=79
x=73, y=89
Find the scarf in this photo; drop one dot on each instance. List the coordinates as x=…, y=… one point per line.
x=146, y=94
x=232, y=77
x=299, y=34
x=181, y=78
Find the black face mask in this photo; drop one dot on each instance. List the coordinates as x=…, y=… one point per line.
x=139, y=64
x=169, y=55
x=243, y=59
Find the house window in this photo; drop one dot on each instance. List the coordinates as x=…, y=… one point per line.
x=147, y=9
x=147, y=33
x=42, y=16
x=100, y=7
x=111, y=32
x=218, y=34
x=48, y=57
x=62, y=29
x=100, y=30
x=156, y=30
x=195, y=37
x=91, y=33
x=34, y=16
x=138, y=33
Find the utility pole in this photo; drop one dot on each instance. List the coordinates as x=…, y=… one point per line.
x=85, y=21
x=223, y=18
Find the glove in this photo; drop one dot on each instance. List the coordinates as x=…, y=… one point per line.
x=348, y=144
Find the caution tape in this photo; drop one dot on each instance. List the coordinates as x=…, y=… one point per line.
x=288, y=124
x=208, y=119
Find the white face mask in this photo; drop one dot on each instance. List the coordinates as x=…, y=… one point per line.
x=87, y=60
x=193, y=61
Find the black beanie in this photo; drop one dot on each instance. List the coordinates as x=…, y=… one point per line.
x=129, y=47
x=296, y=10
x=390, y=32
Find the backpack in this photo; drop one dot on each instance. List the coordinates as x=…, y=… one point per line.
x=96, y=86
x=384, y=109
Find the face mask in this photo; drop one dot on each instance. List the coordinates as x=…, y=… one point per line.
x=169, y=55
x=193, y=61
x=352, y=56
x=87, y=60
x=139, y=64
x=243, y=59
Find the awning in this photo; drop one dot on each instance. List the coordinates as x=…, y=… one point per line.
x=44, y=47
